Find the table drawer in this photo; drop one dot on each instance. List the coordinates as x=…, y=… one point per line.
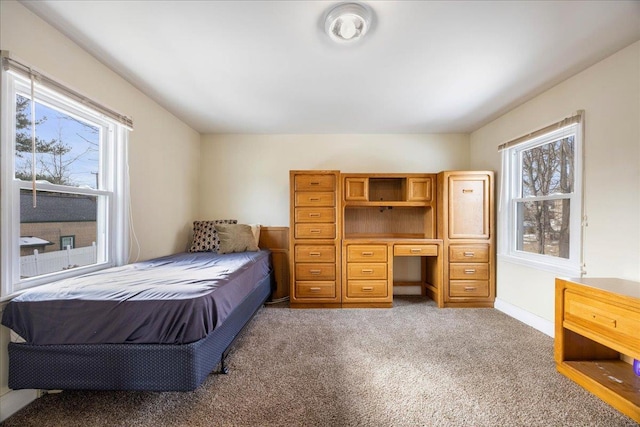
x=316, y=198
x=367, y=253
x=606, y=319
x=315, y=215
x=415, y=250
x=308, y=253
x=315, y=289
x=315, y=183
x=469, y=271
x=360, y=270
x=315, y=271
x=315, y=231
x=469, y=253
x=469, y=288
x=366, y=288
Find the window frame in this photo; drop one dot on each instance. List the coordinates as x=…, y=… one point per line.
x=511, y=195
x=112, y=188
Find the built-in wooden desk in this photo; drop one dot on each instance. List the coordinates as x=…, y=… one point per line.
x=597, y=321
x=367, y=269
x=346, y=228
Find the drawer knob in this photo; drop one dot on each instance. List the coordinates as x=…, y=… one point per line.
x=367, y=253
x=314, y=215
x=315, y=289
x=415, y=250
x=314, y=183
x=469, y=254
x=314, y=253
x=367, y=288
x=367, y=271
x=469, y=288
x=314, y=231
x=316, y=272
x=467, y=190
x=314, y=199
x=469, y=270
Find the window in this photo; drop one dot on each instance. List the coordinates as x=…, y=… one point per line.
x=541, y=199
x=67, y=242
x=63, y=195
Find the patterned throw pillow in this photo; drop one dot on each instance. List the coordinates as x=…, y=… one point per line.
x=205, y=236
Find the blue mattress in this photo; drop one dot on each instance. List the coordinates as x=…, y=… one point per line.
x=178, y=299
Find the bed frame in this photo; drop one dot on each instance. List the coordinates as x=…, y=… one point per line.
x=151, y=367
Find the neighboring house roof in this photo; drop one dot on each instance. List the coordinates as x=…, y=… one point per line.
x=28, y=241
x=57, y=208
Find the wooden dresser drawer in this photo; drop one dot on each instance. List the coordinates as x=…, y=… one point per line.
x=469, y=271
x=469, y=288
x=469, y=253
x=315, y=215
x=367, y=253
x=315, y=182
x=609, y=320
x=366, y=288
x=315, y=289
x=315, y=231
x=320, y=253
x=315, y=198
x=415, y=250
x=315, y=271
x=361, y=270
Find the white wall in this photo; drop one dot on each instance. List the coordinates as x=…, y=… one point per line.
x=609, y=92
x=163, y=151
x=247, y=176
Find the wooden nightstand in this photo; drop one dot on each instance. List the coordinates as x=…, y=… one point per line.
x=597, y=320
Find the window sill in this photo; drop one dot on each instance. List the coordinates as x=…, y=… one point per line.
x=568, y=271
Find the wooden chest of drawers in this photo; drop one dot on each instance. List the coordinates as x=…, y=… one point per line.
x=597, y=321
x=367, y=271
x=314, y=239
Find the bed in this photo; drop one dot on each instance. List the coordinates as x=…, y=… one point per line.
x=158, y=325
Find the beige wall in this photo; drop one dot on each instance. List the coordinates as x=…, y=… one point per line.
x=609, y=92
x=163, y=151
x=247, y=176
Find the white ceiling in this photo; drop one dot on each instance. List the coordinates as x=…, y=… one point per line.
x=268, y=67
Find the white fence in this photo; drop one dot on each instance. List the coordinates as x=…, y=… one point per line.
x=50, y=262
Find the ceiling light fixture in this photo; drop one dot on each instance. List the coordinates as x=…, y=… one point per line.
x=348, y=22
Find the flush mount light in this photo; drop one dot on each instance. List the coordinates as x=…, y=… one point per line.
x=348, y=22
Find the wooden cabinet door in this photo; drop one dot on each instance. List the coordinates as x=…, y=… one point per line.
x=356, y=189
x=418, y=189
x=469, y=204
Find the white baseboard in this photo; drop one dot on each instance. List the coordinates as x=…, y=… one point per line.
x=13, y=401
x=535, y=321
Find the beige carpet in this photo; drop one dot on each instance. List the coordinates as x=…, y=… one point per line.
x=413, y=365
